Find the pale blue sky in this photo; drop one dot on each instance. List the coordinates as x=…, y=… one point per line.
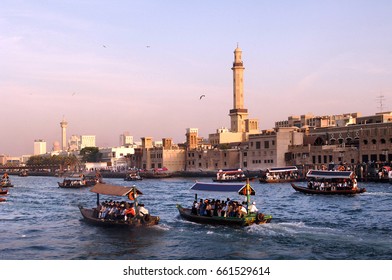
x=89, y=61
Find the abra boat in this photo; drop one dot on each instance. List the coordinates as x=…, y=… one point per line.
x=246, y=219
x=231, y=175
x=133, y=176
x=73, y=183
x=92, y=215
x=6, y=183
x=156, y=173
x=2, y=199
x=3, y=192
x=330, y=182
x=281, y=175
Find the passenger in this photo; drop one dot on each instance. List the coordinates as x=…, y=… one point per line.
x=242, y=211
x=130, y=212
x=208, y=209
x=203, y=208
x=253, y=208
x=194, y=208
x=141, y=210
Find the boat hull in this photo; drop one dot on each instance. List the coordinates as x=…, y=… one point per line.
x=186, y=214
x=90, y=216
x=327, y=192
x=3, y=192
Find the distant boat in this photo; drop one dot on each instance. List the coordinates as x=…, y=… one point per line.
x=231, y=175
x=3, y=192
x=6, y=183
x=73, y=183
x=2, y=199
x=281, y=175
x=23, y=173
x=330, y=182
x=245, y=219
x=133, y=175
x=156, y=173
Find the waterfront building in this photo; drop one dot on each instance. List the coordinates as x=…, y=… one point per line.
x=39, y=147
x=63, y=125
x=268, y=149
x=163, y=154
x=116, y=157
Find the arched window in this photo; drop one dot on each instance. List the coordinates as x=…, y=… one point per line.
x=365, y=142
x=374, y=141
x=383, y=141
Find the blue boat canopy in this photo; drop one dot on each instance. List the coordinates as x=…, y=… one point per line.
x=239, y=188
x=330, y=174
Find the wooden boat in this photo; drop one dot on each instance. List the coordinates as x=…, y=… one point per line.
x=2, y=199
x=6, y=183
x=281, y=175
x=246, y=220
x=92, y=215
x=330, y=182
x=23, y=173
x=3, y=192
x=73, y=183
x=133, y=176
x=156, y=173
x=231, y=175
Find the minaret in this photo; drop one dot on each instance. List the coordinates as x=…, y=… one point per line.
x=63, y=125
x=238, y=114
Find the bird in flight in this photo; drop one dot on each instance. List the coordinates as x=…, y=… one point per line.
x=104, y=46
x=201, y=96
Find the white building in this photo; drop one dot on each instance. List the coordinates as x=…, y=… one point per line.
x=87, y=141
x=115, y=157
x=39, y=147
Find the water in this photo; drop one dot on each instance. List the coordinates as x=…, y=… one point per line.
x=40, y=221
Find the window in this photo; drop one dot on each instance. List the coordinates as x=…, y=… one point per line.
x=266, y=144
x=258, y=145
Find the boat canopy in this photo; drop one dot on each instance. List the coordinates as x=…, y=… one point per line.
x=230, y=171
x=282, y=169
x=113, y=190
x=222, y=187
x=330, y=174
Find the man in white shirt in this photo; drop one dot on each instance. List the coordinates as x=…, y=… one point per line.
x=253, y=208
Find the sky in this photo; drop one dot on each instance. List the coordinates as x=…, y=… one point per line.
x=108, y=67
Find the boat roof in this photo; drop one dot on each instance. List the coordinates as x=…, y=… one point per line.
x=330, y=174
x=113, y=190
x=282, y=169
x=221, y=187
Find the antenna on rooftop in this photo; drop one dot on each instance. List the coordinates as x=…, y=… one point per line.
x=380, y=100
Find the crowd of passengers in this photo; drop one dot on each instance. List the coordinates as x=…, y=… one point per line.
x=120, y=211
x=222, y=208
x=342, y=184
x=282, y=175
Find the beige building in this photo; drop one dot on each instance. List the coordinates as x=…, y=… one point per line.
x=163, y=155
x=39, y=147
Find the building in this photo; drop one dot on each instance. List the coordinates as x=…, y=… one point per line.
x=63, y=125
x=87, y=141
x=126, y=139
x=165, y=154
x=39, y=147
x=117, y=158
x=240, y=125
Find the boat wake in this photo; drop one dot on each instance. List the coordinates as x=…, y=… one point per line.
x=290, y=229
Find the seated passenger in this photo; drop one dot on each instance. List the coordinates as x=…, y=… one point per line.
x=141, y=210
x=253, y=208
x=130, y=212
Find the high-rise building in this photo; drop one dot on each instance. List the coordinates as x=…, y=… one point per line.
x=87, y=141
x=39, y=147
x=63, y=125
